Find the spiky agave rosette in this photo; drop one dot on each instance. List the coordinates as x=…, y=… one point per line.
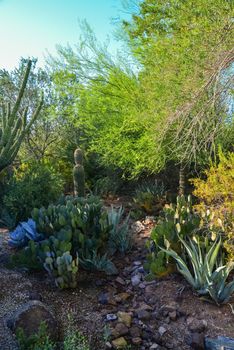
x=23, y=233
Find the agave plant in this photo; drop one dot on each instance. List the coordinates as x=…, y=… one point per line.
x=23, y=233
x=219, y=290
x=119, y=239
x=206, y=277
x=96, y=262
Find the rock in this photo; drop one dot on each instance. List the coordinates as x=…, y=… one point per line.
x=33, y=295
x=120, y=281
x=119, y=343
x=120, y=330
x=143, y=314
x=154, y=347
x=125, y=317
x=144, y=306
x=147, y=334
x=149, y=220
x=162, y=330
x=122, y=297
x=135, y=332
x=136, y=341
x=29, y=317
x=100, y=282
x=142, y=285
x=196, y=341
x=137, y=263
x=136, y=280
x=196, y=326
x=137, y=227
x=156, y=337
x=111, y=317
x=103, y=298
x=173, y=306
x=219, y=343
x=172, y=315
x=108, y=345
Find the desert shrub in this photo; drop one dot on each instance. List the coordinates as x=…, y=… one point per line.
x=104, y=186
x=177, y=219
x=148, y=195
x=216, y=193
x=119, y=239
x=32, y=185
x=74, y=339
x=39, y=341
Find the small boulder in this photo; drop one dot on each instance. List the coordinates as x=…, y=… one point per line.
x=119, y=330
x=195, y=325
x=119, y=343
x=135, y=332
x=196, y=341
x=137, y=341
x=125, y=317
x=136, y=280
x=162, y=330
x=111, y=317
x=29, y=317
x=143, y=314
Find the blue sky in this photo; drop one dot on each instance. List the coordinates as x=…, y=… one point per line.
x=30, y=27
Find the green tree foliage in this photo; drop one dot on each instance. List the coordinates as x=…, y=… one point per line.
x=185, y=48
x=106, y=105
x=168, y=101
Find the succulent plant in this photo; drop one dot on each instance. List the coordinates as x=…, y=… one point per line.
x=177, y=219
x=64, y=269
x=24, y=232
x=13, y=127
x=119, y=239
x=208, y=275
x=78, y=174
x=96, y=262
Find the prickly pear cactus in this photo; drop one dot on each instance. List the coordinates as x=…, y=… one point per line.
x=78, y=174
x=64, y=269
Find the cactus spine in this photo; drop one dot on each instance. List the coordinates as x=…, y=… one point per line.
x=13, y=127
x=78, y=174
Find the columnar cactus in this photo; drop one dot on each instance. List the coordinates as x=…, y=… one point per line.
x=13, y=126
x=78, y=174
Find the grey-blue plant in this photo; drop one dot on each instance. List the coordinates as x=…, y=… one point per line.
x=23, y=233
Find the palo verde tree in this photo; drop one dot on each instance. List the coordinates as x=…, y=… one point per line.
x=169, y=105
x=105, y=103
x=186, y=51
x=14, y=125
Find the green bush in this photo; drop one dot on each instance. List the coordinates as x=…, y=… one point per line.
x=39, y=341
x=216, y=193
x=73, y=338
x=148, y=195
x=32, y=185
x=179, y=218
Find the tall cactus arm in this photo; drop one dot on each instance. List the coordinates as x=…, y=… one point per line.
x=22, y=89
x=13, y=126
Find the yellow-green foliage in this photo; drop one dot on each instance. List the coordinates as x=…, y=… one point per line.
x=217, y=194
